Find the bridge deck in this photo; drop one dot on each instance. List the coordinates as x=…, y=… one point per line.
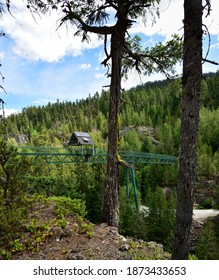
x=56, y=155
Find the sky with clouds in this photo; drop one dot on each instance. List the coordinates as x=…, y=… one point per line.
x=41, y=63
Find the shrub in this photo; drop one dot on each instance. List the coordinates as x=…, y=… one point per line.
x=131, y=220
x=207, y=247
x=160, y=218
x=65, y=206
x=13, y=201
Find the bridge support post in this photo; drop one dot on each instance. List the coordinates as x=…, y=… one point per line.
x=131, y=170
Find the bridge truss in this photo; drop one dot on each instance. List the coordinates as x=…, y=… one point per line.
x=54, y=155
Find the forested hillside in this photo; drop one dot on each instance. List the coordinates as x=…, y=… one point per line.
x=150, y=122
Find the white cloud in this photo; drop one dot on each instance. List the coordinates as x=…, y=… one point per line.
x=85, y=66
x=39, y=39
x=63, y=77
x=99, y=75
x=9, y=112
x=135, y=79
x=171, y=20
x=212, y=21
x=44, y=101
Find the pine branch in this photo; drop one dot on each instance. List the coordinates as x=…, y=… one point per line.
x=210, y=61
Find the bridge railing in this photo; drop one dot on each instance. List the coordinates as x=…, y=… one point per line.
x=65, y=155
x=141, y=157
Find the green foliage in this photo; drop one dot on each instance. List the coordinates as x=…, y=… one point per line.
x=209, y=130
x=131, y=141
x=38, y=233
x=207, y=247
x=154, y=105
x=159, y=58
x=192, y=257
x=206, y=164
x=13, y=201
x=53, y=185
x=152, y=175
x=146, y=145
x=66, y=206
x=216, y=198
x=90, y=180
x=86, y=228
x=166, y=145
x=150, y=115
x=160, y=217
x=153, y=223
x=131, y=221
x=206, y=204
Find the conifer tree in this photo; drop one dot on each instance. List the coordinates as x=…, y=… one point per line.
x=191, y=86
x=91, y=16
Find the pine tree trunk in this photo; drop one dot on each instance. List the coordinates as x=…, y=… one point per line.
x=191, y=81
x=111, y=189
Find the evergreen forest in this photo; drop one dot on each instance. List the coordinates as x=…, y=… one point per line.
x=149, y=122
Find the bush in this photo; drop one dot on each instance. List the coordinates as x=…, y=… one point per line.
x=13, y=201
x=160, y=218
x=207, y=247
x=206, y=204
x=52, y=185
x=131, y=220
x=156, y=223
x=65, y=206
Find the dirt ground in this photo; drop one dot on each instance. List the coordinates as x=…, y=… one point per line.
x=45, y=238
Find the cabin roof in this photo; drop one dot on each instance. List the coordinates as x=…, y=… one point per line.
x=80, y=138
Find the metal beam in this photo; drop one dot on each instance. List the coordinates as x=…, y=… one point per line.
x=60, y=155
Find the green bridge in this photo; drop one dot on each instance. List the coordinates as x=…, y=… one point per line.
x=81, y=154
x=56, y=155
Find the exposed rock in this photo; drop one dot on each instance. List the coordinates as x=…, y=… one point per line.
x=19, y=138
x=58, y=233
x=124, y=247
x=72, y=256
x=196, y=230
x=150, y=131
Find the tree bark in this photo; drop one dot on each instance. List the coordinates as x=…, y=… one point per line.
x=191, y=81
x=111, y=188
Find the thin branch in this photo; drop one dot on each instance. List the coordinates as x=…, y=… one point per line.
x=207, y=7
x=105, y=45
x=112, y=4
x=209, y=41
x=210, y=61
x=208, y=50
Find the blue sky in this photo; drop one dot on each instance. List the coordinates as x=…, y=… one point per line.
x=41, y=64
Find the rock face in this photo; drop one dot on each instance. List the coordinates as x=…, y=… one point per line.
x=20, y=138
x=196, y=230
x=204, y=214
x=150, y=131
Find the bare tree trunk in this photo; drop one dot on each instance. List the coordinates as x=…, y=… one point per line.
x=111, y=190
x=191, y=81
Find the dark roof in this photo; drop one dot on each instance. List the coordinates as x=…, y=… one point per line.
x=80, y=138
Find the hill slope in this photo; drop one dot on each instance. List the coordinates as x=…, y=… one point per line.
x=74, y=238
